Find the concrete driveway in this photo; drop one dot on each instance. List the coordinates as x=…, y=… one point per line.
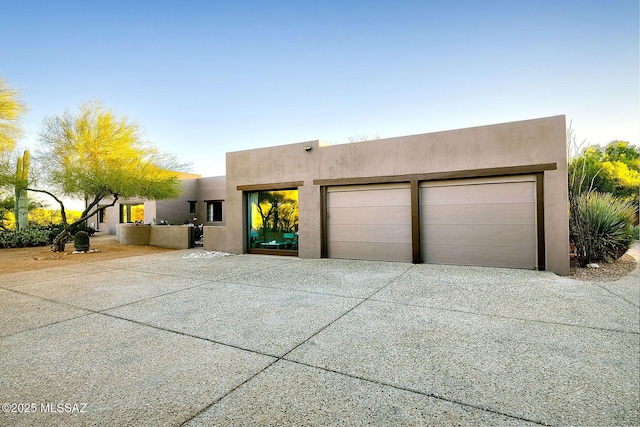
x=258, y=340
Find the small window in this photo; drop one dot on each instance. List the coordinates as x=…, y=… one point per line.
x=192, y=206
x=102, y=215
x=214, y=211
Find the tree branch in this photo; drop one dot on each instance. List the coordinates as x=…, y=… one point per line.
x=86, y=215
x=63, y=213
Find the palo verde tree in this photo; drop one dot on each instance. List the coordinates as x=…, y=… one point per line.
x=11, y=109
x=96, y=155
x=614, y=169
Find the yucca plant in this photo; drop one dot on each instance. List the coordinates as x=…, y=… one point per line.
x=601, y=227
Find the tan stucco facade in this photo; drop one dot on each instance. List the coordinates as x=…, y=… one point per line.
x=173, y=211
x=477, y=150
x=533, y=150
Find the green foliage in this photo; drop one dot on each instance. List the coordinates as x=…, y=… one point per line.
x=34, y=235
x=11, y=108
x=6, y=206
x=614, y=169
x=30, y=236
x=52, y=230
x=97, y=153
x=7, y=203
x=601, y=227
x=603, y=199
x=84, y=227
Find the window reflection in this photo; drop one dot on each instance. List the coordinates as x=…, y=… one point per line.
x=132, y=213
x=273, y=220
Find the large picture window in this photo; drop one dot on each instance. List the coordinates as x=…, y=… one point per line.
x=273, y=221
x=132, y=213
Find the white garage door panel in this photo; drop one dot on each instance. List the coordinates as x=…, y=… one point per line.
x=508, y=213
x=479, y=255
x=488, y=222
x=363, y=196
x=358, y=216
x=481, y=193
x=517, y=235
x=393, y=233
x=372, y=252
x=369, y=222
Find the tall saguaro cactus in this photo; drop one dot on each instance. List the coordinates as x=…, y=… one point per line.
x=21, y=207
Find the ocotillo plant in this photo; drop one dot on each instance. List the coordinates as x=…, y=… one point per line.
x=21, y=207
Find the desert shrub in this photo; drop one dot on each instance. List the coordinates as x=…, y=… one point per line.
x=601, y=227
x=31, y=236
x=84, y=227
x=54, y=230
x=34, y=235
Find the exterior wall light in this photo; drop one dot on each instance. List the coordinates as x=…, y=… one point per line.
x=307, y=148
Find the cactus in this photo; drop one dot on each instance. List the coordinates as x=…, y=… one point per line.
x=81, y=241
x=21, y=209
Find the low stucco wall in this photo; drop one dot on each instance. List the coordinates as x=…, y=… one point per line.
x=171, y=236
x=215, y=238
x=130, y=234
x=163, y=236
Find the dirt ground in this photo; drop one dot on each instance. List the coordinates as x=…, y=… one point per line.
x=106, y=247
x=605, y=272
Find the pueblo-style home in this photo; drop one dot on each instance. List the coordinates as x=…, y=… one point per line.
x=489, y=196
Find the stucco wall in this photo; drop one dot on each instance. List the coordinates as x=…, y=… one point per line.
x=215, y=238
x=171, y=236
x=175, y=211
x=130, y=234
x=209, y=189
x=164, y=236
x=523, y=143
x=113, y=214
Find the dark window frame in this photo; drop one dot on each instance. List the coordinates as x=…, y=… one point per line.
x=248, y=189
x=216, y=214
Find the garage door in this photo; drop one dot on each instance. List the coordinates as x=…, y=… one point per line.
x=488, y=222
x=370, y=222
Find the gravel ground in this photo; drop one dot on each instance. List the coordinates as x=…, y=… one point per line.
x=605, y=272
x=207, y=255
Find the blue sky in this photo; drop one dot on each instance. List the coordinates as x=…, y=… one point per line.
x=206, y=77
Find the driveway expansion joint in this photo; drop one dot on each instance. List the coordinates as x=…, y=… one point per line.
x=420, y=392
x=600, y=285
x=604, y=399
x=499, y=316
